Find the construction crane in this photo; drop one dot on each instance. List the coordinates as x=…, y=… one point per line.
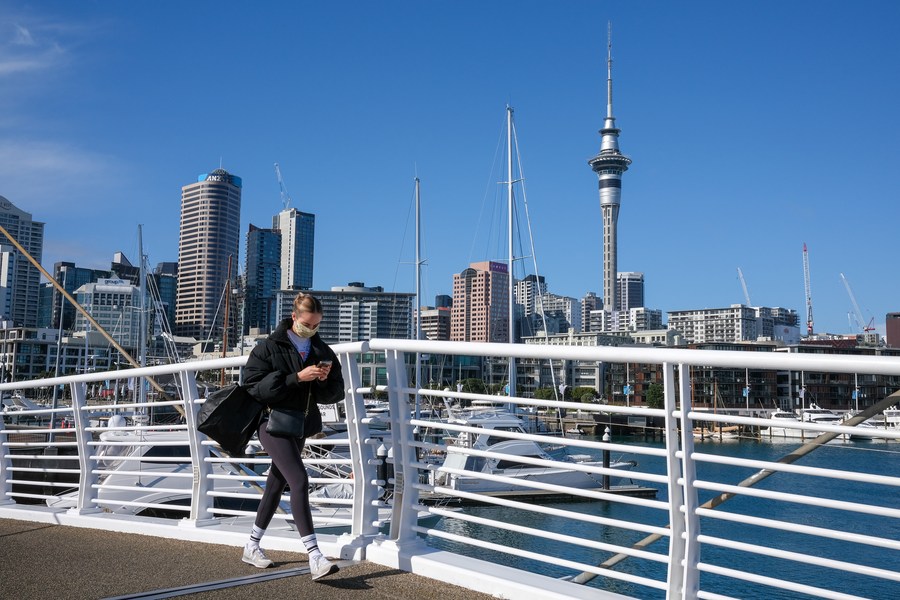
x=285, y=197
x=744, y=286
x=870, y=326
x=809, y=313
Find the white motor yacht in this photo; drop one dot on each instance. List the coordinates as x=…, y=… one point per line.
x=516, y=460
x=783, y=426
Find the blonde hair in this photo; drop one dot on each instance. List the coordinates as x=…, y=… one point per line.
x=307, y=303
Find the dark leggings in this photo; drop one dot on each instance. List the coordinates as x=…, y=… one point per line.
x=287, y=469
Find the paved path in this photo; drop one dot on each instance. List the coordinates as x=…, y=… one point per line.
x=38, y=560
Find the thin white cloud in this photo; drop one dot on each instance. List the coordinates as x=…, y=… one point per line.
x=47, y=175
x=12, y=66
x=28, y=48
x=23, y=36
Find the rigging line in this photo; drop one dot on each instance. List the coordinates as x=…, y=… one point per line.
x=394, y=323
x=484, y=199
x=215, y=318
x=162, y=318
x=409, y=212
x=540, y=292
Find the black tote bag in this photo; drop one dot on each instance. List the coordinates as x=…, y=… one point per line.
x=230, y=416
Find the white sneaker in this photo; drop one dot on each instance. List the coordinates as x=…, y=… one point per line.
x=256, y=557
x=319, y=566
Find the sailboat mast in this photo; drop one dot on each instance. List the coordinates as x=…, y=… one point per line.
x=418, y=297
x=142, y=313
x=509, y=275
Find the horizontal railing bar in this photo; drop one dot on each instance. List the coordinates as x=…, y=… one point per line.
x=794, y=527
x=798, y=469
x=869, y=509
x=620, y=575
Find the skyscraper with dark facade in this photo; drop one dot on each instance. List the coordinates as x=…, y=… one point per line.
x=71, y=278
x=630, y=292
x=208, y=246
x=263, y=277
x=298, y=232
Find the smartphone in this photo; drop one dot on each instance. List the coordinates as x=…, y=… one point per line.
x=324, y=363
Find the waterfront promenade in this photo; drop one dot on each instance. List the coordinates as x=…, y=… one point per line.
x=38, y=560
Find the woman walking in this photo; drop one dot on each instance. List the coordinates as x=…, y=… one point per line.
x=292, y=369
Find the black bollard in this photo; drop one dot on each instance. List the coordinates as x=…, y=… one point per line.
x=606, y=438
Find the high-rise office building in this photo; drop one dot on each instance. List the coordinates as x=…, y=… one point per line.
x=71, y=278
x=20, y=280
x=298, y=231
x=892, y=329
x=208, y=246
x=263, y=278
x=114, y=304
x=435, y=322
x=609, y=166
x=566, y=310
x=589, y=303
x=630, y=293
x=480, y=304
x=165, y=282
x=529, y=291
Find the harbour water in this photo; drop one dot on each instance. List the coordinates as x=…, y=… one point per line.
x=872, y=457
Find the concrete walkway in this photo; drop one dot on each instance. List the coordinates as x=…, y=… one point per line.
x=38, y=560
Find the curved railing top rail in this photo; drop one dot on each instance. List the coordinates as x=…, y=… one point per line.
x=777, y=359
x=156, y=370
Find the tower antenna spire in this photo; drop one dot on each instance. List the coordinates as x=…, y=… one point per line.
x=609, y=97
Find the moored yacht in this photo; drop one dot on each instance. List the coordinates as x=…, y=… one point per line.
x=783, y=426
x=516, y=460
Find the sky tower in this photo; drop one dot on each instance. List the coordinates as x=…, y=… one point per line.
x=609, y=166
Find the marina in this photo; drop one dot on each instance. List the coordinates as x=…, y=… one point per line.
x=530, y=436
x=798, y=518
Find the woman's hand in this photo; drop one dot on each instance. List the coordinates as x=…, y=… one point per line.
x=313, y=372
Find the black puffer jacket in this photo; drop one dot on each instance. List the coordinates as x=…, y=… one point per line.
x=270, y=376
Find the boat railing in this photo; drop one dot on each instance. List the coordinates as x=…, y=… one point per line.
x=652, y=530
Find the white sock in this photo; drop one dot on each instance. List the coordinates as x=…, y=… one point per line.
x=312, y=546
x=256, y=535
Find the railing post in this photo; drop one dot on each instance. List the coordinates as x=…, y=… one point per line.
x=362, y=454
x=201, y=501
x=87, y=465
x=5, y=465
x=684, y=538
x=404, y=517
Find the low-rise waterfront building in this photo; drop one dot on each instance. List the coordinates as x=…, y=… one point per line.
x=737, y=323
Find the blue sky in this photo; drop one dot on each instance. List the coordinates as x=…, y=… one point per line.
x=753, y=126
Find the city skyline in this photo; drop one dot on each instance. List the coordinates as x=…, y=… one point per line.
x=732, y=114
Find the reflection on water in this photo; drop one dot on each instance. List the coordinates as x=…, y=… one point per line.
x=878, y=458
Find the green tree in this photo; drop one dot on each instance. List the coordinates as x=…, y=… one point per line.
x=544, y=393
x=473, y=386
x=584, y=394
x=655, y=396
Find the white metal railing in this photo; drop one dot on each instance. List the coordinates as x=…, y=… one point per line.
x=819, y=528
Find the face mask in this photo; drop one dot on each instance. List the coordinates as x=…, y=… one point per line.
x=304, y=331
